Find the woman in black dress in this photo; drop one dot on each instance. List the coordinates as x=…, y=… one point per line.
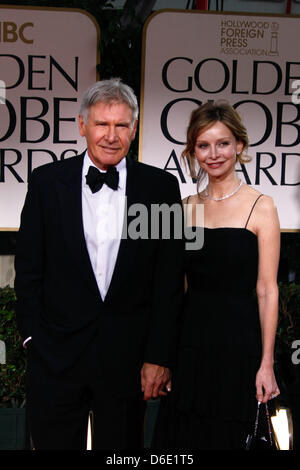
x=225, y=358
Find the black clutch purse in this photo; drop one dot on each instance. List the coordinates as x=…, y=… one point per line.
x=262, y=436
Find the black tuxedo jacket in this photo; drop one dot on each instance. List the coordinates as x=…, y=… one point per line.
x=58, y=301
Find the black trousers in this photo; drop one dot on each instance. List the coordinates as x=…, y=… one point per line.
x=58, y=406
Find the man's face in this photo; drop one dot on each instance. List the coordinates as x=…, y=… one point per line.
x=109, y=131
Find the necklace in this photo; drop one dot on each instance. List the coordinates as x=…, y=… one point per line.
x=223, y=197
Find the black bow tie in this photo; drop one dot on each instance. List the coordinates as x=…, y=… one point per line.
x=95, y=179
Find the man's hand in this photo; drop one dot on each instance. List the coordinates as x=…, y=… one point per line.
x=154, y=379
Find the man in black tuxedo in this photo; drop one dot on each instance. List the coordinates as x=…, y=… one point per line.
x=97, y=300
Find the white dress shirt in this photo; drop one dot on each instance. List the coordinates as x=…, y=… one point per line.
x=103, y=215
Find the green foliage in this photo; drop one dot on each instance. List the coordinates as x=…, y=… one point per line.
x=288, y=328
x=12, y=378
x=290, y=253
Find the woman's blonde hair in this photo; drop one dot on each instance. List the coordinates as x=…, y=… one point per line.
x=202, y=118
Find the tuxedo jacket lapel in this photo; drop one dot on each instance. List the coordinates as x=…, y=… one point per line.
x=133, y=193
x=70, y=194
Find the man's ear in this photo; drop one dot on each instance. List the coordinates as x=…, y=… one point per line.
x=134, y=130
x=81, y=125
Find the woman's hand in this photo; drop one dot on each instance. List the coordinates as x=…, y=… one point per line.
x=266, y=385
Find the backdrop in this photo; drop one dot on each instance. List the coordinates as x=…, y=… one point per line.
x=252, y=61
x=48, y=58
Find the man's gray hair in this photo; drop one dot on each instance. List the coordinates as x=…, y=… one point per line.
x=109, y=91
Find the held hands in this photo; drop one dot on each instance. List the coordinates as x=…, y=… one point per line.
x=266, y=385
x=154, y=379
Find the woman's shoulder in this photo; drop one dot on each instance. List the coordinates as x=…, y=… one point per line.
x=263, y=211
x=187, y=199
x=193, y=198
x=260, y=199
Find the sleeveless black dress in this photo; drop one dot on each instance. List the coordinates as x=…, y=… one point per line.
x=212, y=404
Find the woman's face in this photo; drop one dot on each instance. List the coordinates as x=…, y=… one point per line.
x=216, y=149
